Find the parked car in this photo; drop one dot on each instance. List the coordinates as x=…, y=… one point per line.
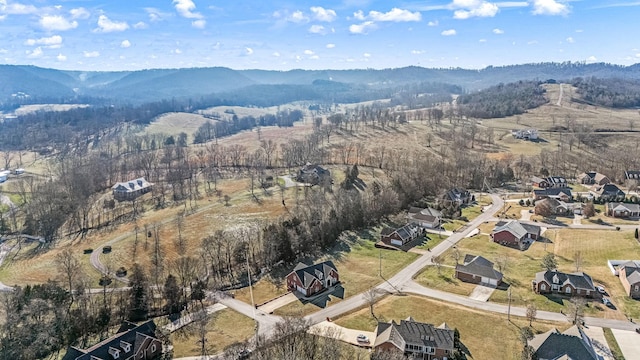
x=601, y=290
x=363, y=339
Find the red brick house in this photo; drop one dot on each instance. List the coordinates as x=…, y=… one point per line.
x=555, y=282
x=309, y=280
x=592, y=177
x=514, y=233
x=415, y=339
x=399, y=236
x=562, y=194
x=476, y=269
x=132, y=342
x=629, y=274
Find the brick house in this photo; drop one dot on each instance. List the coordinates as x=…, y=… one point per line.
x=309, y=280
x=132, y=342
x=622, y=210
x=415, y=339
x=456, y=198
x=399, y=236
x=607, y=192
x=571, y=344
x=557, y=207
x=476, y=269
x=514, y=233
x=562, y=194
x=130, y=190
x=592, y=178
x=629, y=274
x=555, y=282
x=539, y=182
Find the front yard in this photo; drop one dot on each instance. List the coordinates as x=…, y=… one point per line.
x=445, y=280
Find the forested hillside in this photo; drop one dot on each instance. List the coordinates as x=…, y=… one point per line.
x=502, y=100
x=612, y=92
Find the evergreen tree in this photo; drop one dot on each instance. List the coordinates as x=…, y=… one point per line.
x=138, y=295
x=172, y=295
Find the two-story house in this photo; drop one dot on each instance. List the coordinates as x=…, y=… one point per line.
x=553, y=281
x=415, y=339
x=312, y=279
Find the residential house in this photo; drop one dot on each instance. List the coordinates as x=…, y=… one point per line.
x=607, y=192
x=629, y=274
x=632, y=177
x=476, y=269
x=415, y=339
x=526, y=134
x=558, y=207
x=130, y=190
x=562, y=194
x=622, y=210
x=514, y=233
x=427, y=218
x=131, y=342
x=557, y=182
x=592, y=178
x=309, y=280
x=555, y=282
x=456, y=197
x=539, y=182
x=568, y=345
x=313, y=174
x=399, y=236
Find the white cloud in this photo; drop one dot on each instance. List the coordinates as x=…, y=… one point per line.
x=199, y=24
x=106, y=25
x=79, y=13
x=140, y=25
x=363, y=28
x=4, y=51
x=314, y=57
x=308, y=52
x=298, y=17
x=449, y=32
x=330, y=46
x=417, y=52
x=366, y=55
x=185, y=9
x=2, y=17
x=592, y=59
x=156, y=14
x=17, y=8
x=395, y=15
x=579, y=30
x=484, y=9
x=125, y=44
x=176, y=51
x=498, y=31
x=57, y=23
x=322, y=14
x=317, y=29
x=433, y=23
x=550, y=7
x=91, y=54
x=570, y=40
x=359, y=15
x=51, y=42
x=482, y=40
x=276, y=54
x=61, y=58
x=248, y=51
x=35, y=53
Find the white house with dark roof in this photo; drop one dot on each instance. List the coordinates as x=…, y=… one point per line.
x=132, y=189
x=415, y=339
x=573, y=344
x=476, y=269
x=570, y=284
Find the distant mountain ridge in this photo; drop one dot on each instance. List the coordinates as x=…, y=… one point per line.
x=156, y=84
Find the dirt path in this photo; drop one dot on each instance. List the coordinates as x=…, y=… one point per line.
x=559, y=103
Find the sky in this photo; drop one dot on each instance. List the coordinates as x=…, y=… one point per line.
x=322, y=34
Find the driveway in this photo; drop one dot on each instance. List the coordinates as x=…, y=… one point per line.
x=629, y=342
x=481, y=292
x=577, y=219
x=599, y=342
x=525, y=215
x=189, y=318
x=277, y=303
x=329, y=329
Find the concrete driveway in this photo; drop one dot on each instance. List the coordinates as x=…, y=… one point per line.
x=525, y=215
x=599, y=342
x=274, y=304
x=326, y=328
x=482, y=292
x=629, y=342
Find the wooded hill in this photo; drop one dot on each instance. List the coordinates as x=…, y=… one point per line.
x=40, y=85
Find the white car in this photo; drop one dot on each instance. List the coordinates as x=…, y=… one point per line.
x=601, y=289
x=362, y=339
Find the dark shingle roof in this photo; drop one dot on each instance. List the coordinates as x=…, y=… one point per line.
x=578, y=280
x=632, y=175
x=553, y=192
x=307, y=273
x=572, y=344
x=413, y=332
x=477, y=265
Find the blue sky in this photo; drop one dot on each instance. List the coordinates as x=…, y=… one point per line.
x=320, y=34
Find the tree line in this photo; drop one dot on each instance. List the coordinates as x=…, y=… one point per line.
x=502, y=100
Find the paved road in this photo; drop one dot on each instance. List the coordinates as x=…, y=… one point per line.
x=628, y=342
x=266, y=322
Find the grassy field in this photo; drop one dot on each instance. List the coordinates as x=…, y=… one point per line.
x=226, y=327
x=445, y=280
x=478, y=330
x=595, y=246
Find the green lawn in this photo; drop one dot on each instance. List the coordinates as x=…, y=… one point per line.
x=445, y=280
x=613, y=344
x=595, y=246
x=478, y=329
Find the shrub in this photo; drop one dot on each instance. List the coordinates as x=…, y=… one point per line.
x=88, y=251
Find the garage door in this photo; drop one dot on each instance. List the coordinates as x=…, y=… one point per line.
x=490, y=281
x=396, y=242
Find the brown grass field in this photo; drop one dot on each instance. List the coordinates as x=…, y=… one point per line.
x=478, y=330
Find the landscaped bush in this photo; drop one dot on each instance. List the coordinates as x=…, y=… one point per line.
x=88, y=251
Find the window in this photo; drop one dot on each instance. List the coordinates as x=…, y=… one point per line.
x=153, y=348
x=568, y=290
x=543, y=287
x=636, y=288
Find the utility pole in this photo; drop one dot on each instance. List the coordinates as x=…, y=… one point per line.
x=509, y=307
x=253, y=305
x=380, y=258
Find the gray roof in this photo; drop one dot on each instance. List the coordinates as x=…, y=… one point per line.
x=629, y=207
x=427, y=214
x=517, y=228
x=632, y=271
x=578, y=280
x=405, y=232
x=607, y=190
x=477, y=265
x=553, y=192
x=413, y=332
x=556, y=180
x=632, y=175
x=308, y=273
x=132, y=185
x=536, y=179
x=572, y=344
